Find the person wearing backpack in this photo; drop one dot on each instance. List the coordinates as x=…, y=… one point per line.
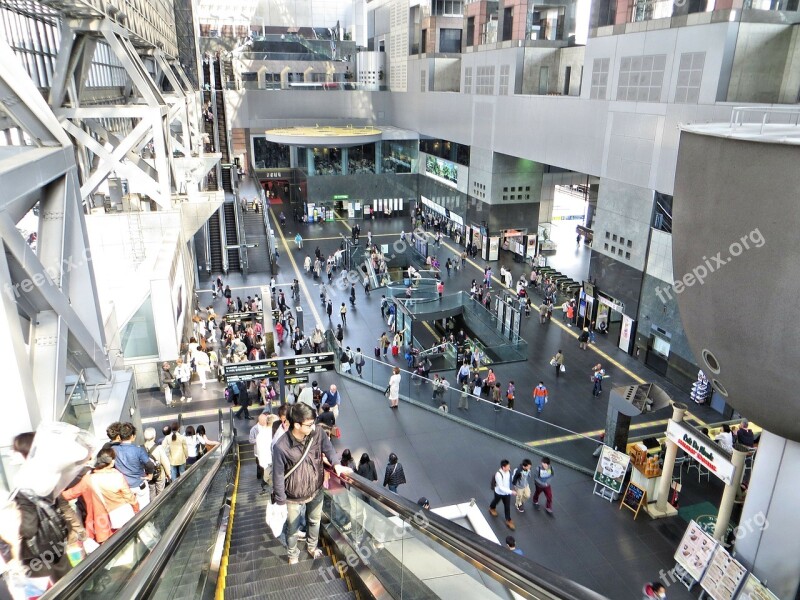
x=501, y=487
x=159, y=479
x=43, y=536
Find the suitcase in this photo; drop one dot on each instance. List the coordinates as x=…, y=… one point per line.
x=395, y=350
x=377, y=352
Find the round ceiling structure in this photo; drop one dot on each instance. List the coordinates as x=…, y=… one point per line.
x=324, y=136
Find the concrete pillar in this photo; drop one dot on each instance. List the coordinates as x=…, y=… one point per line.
x=767, y=538
x=345, y=160
x=269, y=326
x=729, y=495
x=378, y=157
x=662, y=508
x=310, y=161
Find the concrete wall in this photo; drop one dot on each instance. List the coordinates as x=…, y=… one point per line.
x=535, y=60
x=622, y=222
x=517, y=177
x=446, y=74
x=763, y=53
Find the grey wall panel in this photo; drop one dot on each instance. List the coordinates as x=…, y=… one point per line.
x=726, y=190
x=617, y=279
x=658, y=306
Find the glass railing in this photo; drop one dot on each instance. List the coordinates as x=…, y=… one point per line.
x=128, y=561
x=415, y=553
x=563, y=445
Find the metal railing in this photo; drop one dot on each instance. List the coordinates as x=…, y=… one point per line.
x=764, y=116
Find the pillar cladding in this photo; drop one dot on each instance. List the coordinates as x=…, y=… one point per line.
x=737, y=277
x=768, y=535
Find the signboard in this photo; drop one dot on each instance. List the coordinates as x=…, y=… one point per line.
x=723, y=575
x=613, y=304
x=308, y=359
x=702, y=450
x=633, y=499
x=625, y=333
x=695, y=550
x=611, y=468
x=250, y=370
x=291, y=366
x=443, y=170
x=296, y=379
x=753, y=589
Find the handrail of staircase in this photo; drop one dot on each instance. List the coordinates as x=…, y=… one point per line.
x=521, y=575
x=223, y=238
x=240, y=233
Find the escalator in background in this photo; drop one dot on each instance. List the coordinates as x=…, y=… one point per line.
x=215, y=243
x=231, y=237
x=222, y=124
x=206, y=538
x=255, y=232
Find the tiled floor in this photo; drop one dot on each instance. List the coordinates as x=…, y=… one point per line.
x=588, y=539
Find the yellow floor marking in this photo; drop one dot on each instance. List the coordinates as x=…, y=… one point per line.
x=597, y=432
x=300, y=278
x=319, y=239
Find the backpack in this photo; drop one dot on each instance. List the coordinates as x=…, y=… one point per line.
x=157, y=473
x=52, y=530
x=493, y=484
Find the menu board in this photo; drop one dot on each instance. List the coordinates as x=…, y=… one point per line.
x=634, y=498
x=694, y=551
x=611, y=468
x=753, y=589
x=723, y=575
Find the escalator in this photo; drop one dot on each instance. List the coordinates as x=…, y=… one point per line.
x=256, y=564
x=205, y=538
x=222, y=124
x=231, y=237
x=215, y=244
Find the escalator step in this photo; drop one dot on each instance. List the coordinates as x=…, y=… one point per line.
x=254, y=546
x=276, y=590
x=281, y=571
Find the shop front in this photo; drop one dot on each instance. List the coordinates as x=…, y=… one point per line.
x=611, y=320
x=450, y=223
x=517, y=241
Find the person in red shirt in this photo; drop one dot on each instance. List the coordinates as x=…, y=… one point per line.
x=540, y=397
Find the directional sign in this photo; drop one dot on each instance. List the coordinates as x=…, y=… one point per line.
x=309, y=359
x=297, y=379
x=251, y=370
x=310, y=369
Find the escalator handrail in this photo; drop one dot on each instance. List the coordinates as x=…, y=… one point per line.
x=79, y=575
x=149, y=571
x=522, y=575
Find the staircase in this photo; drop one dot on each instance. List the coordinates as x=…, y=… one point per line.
x=232, y=237
x=255, y=233
x=257, y=565
x=215, y=243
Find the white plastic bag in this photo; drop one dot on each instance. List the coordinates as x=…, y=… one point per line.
x=276, y=517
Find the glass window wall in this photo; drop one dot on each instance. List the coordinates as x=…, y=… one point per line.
x=328, y=161
x=400, y=156
x=457, y=153
x=269, y=155
x=361, y=159
x=139, y=334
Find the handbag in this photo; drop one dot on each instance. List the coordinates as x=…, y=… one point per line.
x=563, y=369
x=276, y=513
x=336, y=432
x=386, y=391
x=553, y=362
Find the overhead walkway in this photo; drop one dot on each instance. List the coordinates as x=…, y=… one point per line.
x=206, y=538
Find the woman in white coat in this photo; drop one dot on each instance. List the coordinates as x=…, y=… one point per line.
x=393, y=390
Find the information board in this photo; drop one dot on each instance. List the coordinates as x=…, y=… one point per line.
x=753, y=589
x=633, y=499
x=611, y=468
x=723, y=575
x=299, y=366
x=695, y=550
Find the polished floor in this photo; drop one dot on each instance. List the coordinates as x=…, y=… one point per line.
x=587, y=538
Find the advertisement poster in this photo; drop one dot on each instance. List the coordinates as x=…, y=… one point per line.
x=611, y=468
x=625, y=333
x=723, y=576
x=494, y=247
x=753, y=589
x=695, y=550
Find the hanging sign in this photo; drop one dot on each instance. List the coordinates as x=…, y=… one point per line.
x=702, y=450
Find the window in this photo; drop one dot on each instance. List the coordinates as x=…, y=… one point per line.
x=690, y=74
x=599, y=78
x=508, y=23
x=423, y=75
x=614, y=237
x=484, y=81
x=627, y=256
x=605, y=246
x=640, y=78
x=468, y=80
x=470, y=31
x=447, y=7
x=544, y=78
x=450, y=40
x=505, y=71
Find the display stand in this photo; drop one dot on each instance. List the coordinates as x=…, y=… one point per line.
x=700, y=388
x=684, y=577
x=604, y=492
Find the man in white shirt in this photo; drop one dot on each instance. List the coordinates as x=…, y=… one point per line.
x=503, y=492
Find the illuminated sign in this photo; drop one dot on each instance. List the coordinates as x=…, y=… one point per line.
x=702, y=450
x=442, y=169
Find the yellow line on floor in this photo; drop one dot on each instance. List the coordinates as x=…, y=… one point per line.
x=191, y=415
x=300, y=278
x=320, y=239
x=569, y=330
